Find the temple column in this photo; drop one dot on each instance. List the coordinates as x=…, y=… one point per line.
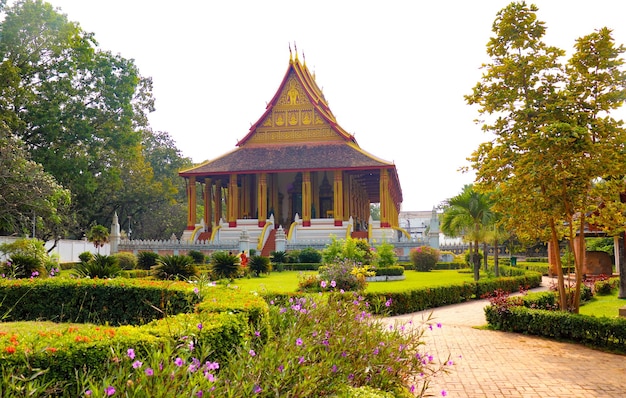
x=338, y=198
x=384, y=198
x=191, y=203
x=262, y=199
x=233, y=202
x=208, y=201
x=306, y=199
x=217, y=204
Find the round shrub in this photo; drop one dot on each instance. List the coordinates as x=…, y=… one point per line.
x=175, y=267
x=342, y=275
x=310, y=255
x=23, y=266
x=278, y=257
x=146, y=260
x=85, y=257
x=424, y=258
x=259, y=265
x=198, y=257
x=126, y=261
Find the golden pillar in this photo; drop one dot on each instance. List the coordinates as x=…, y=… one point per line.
x=384, y=199
x=306, y=199
x=338, y=198
x=208, y=205
x=217, y=201
x=233, y=202
x=191, y=203
x=262, y=199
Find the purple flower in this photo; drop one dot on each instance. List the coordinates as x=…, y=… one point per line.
x=196, y=290
x=200, y=326
x=209, y=376
x=388, y=303
x=199, y=394
x=334, y=369
x=149, y=372
x=281, y=368
x=333, y=284
x=88, y=393
x=137, y=364
x=299, y=342
x=257, y=333
x=212, y=365
x=301, y=360
x=110, y=390
x=444, y=393
x=179, y=361
x=252, y=353
x=131, y=353
x=439, y=325
x=257, y=389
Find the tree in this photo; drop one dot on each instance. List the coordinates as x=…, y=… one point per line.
x=468, y=214
x=556, y=154
x=27, y=192
x=98, y=235
x=78, y=110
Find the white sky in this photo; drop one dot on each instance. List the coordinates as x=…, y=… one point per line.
x=394, y=73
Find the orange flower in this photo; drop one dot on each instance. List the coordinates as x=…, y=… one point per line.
x=51, y=349
x=9, y=350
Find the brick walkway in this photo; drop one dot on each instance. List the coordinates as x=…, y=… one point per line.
x=498, y=364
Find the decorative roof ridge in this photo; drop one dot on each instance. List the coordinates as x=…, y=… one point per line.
x=366, y=153
x=313, y=93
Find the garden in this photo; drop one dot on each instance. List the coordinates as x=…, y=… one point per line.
x=187, y=325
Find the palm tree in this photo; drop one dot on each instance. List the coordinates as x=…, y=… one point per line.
x=467, y=215
x=98, y=235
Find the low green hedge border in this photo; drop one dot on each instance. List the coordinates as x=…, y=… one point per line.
x=602, y=332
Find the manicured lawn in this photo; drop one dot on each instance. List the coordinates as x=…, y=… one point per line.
x=287, y=281
x=603, y=306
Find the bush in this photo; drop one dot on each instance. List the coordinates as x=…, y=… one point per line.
x=23, y=266
x=147, y=260
x=101, y=266
x=348, y=249
x=279, y=257
x=606, y=286
x=175, y=267
x=85, y=257
x=310, y=255
x=343, y=275
x=198, y=257
x=385, y=255
x=424, y=258
x=259, y=265
x=126, y=261
x=390, y=271
x=224, y=265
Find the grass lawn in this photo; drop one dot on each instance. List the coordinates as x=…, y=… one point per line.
x=608, y=306
x=287, y=281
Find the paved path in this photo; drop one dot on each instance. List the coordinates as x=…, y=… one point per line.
x=498, y=364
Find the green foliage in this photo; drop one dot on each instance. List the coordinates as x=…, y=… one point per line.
x=101, y=266
x=85, y=257
x=385, y=255
x=390, y=271
x=27, y=247
x=259, y=265
x=601, y=245
x=147, y=260
x=198, y=257
x=605, y=287
x=310, y=255
x=23, y=266
x=424, y=258
x=175, y=267
x=340, y=275
x=224, y=265
x=98, y=235
x=278, y=257
x=348, y=249
x=126, y=261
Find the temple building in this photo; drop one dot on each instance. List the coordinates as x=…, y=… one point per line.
x=297, y=169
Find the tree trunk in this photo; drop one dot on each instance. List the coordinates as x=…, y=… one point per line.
x=554, y=240
x=622, y=267
x=496, y=267
x=486, y=263
x=476, y=261
x=579, y=260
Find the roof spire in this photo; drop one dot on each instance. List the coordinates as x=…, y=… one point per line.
x=295, y=47
x=290, y=59
x=303, y=58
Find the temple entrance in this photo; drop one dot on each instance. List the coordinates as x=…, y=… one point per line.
x=295, y=198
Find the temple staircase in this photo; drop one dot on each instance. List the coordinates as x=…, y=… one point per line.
x=270, y=244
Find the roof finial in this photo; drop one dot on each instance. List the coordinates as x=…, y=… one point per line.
x=295, y=47
x=303, y=58
x=290, y=52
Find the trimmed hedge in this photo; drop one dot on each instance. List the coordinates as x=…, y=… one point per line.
x=100, y=301
x=601, y=332
x=425, y=298
x=393, y=270
x=301, y=266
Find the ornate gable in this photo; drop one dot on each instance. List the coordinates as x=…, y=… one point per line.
x=297, y=113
